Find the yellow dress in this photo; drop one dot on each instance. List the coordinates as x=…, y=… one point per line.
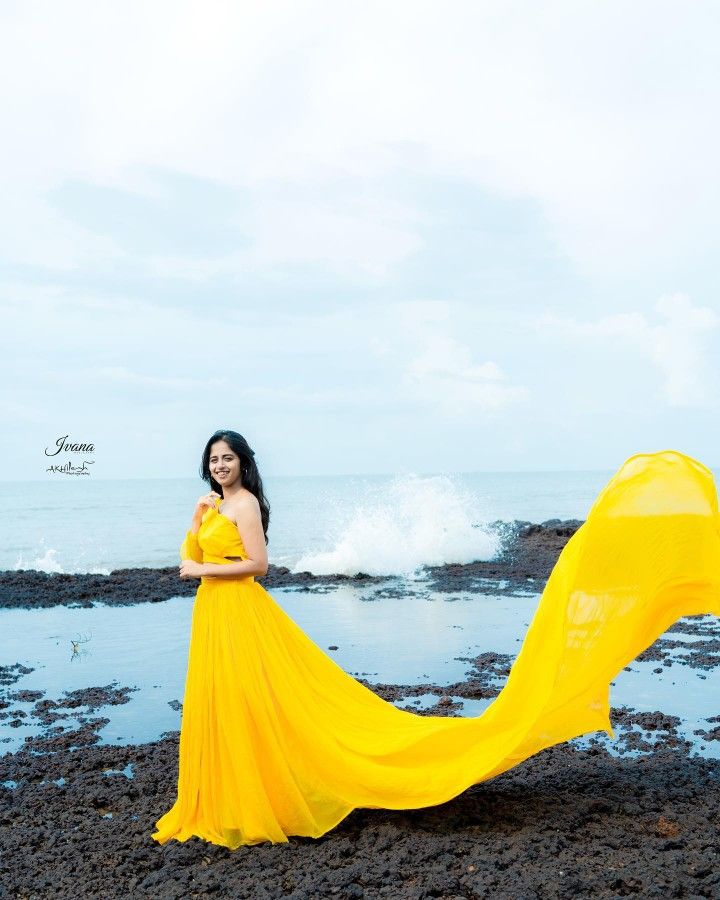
x=278, y=740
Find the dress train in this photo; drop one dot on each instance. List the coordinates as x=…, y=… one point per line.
x=278, y=740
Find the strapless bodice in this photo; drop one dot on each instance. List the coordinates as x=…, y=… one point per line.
x=216, y=539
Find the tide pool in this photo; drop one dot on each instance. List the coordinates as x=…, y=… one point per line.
x=413, y=638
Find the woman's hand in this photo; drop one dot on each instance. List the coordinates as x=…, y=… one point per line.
x=191, y=569
x=207, y=501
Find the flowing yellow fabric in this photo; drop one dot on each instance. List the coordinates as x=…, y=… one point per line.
x=278, y=740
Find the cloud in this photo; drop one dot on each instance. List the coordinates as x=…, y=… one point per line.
x=680, y=350
x=516, y=98
x=441, y=372
x=680, y=345
x=365, y=239
x=125, y=376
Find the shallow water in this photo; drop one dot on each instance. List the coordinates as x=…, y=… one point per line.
x=411, y=639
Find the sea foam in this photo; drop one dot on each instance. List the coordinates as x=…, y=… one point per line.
x=416, y=521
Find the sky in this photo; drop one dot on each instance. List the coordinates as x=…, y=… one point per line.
x=370, y=237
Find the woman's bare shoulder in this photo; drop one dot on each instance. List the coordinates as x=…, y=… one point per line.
x=244, y=502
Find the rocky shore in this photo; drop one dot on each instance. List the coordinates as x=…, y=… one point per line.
x=76, y=815
x=528, y=553
x=76, y=819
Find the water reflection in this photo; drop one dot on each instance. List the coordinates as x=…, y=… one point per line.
x=145, y=647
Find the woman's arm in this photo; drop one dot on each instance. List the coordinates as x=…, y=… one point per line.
x=190, y=548
x=228, y=570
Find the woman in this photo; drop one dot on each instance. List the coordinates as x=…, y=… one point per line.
x=279, y=740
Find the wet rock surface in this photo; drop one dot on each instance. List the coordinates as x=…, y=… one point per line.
x=528, y=553
x=76, y=820
x=485, y=678
x=76, y=815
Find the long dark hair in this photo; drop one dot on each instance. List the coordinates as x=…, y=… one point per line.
x=249, y=474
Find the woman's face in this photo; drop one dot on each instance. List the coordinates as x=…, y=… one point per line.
x=224, y=464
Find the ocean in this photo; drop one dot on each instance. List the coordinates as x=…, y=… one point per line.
x=381, y=525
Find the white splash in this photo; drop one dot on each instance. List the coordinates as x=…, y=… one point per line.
x=416, y=521
x=48, y=561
